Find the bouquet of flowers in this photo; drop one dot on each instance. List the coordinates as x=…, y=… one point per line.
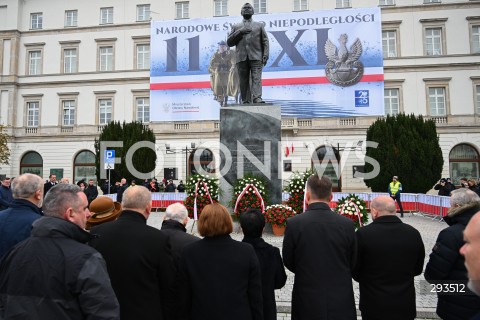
x=353, y=208
x=296, y=187
x=197, y=185
x=252, y=192
x=278, y=214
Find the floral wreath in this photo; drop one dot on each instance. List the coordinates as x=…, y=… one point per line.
x=201, y=190
x=277, y=214
x=249, y=192
x=296, y=189
x=353, y=208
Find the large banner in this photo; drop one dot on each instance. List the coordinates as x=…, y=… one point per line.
x=322, y=64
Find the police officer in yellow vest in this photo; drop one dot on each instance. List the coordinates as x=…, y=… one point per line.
x=394, y=189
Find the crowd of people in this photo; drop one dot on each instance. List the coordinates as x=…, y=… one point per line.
x=445, y=186
x=73, y=259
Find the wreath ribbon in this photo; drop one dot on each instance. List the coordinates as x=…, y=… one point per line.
x=240, y=196
x=195, y=210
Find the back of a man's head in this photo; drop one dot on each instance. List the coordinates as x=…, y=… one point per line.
x=59, y=198
x=24, y=186
x=252, y=222
x=463, y=196
x=136, y=198
x=384, y=206
x=177, y=212
x=320, y=189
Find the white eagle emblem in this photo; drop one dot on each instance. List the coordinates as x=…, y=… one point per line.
x=343, y=68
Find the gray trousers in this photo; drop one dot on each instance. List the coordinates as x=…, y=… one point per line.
x=246, y=69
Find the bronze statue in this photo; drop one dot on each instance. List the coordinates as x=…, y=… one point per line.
x=251, y=53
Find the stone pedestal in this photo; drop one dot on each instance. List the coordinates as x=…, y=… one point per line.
x=252, y=135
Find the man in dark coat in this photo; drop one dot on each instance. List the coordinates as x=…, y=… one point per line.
x=320, y=248
x=121, y=189
x=6, y=197
x=53, y=274
x=271, y=265
x=251, y=54
x=171, y=187
x=91, y=191
x=390, y=255
x=447, y=264
x=138, y=258
x=52, y=181
x=16, y=221
x=443, y=188
x=175, y=220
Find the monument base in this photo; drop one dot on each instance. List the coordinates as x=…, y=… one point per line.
x=252, y=134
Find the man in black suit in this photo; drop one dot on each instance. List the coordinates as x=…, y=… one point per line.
x=320, y=248
x=52, y=181
x=390, y=254
x=251, y=53
x=138, y=258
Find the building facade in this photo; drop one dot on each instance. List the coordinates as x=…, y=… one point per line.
x=69, y=68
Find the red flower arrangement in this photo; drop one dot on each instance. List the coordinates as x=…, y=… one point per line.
x=353, y=208
x=278, y=214
x=202, y=197
x=250, y=198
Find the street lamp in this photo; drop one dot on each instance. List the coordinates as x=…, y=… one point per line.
x=186, y=150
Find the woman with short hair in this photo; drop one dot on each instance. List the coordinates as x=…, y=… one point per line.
x=219, y=277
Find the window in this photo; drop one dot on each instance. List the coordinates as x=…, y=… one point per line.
x=33, y=113
x=392, y=101
x=143, y=56
x=32, y=162
x=431, y=1
x=386, y=3
x=436, y=101
x=433, y=41
x=71, y=17
x=143, y=109
x=389, y=43
x=344, y=4
x=143, y=12
x=106, y=15
x=35, y=62
x=464, y=163
x=220, y=7
x=181, y=10
x=260, y=6
x=104, y=111
x=36, y=21
x=475, y=39
x=326, y=159
x=201, y=160
x=106, y=58
x=300, y=5
x=70, y=60
x=84, y=166
x=68, y=112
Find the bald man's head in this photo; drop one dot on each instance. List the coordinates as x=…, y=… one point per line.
x=383, y=206
x=137, y=198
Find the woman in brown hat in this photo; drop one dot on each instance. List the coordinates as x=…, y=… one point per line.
x=103, y=209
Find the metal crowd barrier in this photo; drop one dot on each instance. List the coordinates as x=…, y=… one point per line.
x=432, y=205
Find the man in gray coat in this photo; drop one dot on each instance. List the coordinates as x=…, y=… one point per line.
x=320, y=248
x=251, y=53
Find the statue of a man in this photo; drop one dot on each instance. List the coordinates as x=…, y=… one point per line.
x=251, y=52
